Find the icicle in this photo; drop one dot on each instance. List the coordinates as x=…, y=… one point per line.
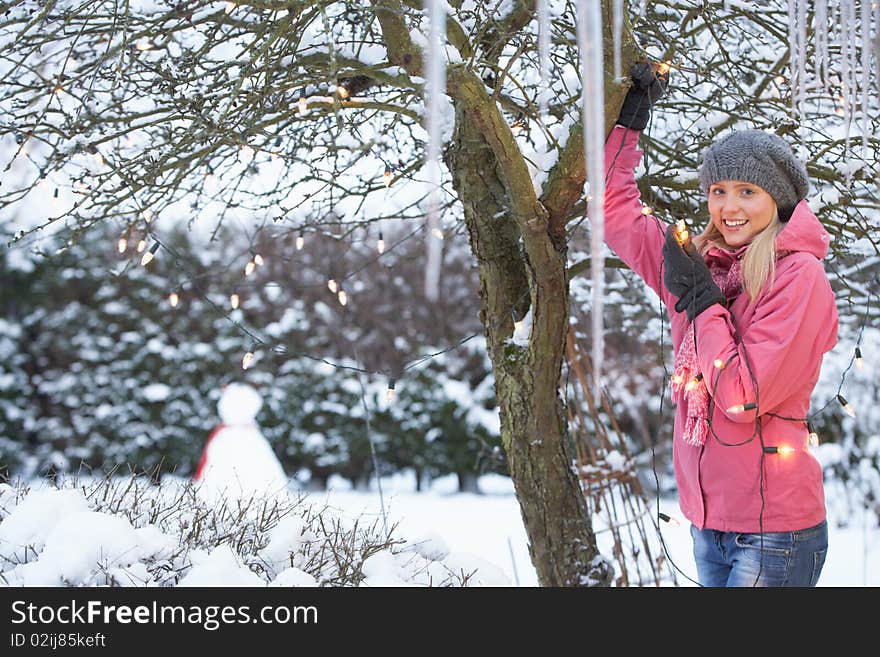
x=617, y=20
x=435, y=87
x=793, y=49
x=842, y=36
x=802, y=64
x=876, y=6
x=820, y=29
x=589, y=35
x=848, y=69
x=865, y=71
x=544, y=30
x=797, y=43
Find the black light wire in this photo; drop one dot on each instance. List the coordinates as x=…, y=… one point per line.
x=807, y=421
x=758, y=430
x=660, y=515
x=414, y=362
x=758, y=420
x=281, y=349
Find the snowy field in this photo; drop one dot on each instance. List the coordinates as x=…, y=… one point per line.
x=490, y=527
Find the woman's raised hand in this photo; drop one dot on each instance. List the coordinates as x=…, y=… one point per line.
x=648, y=85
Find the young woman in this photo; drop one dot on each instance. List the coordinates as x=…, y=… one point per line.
x=751, y=313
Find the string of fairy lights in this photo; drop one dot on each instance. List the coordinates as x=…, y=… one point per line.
x=336, y=287
x=148, y=251
x=782, y=450
x=334, y=284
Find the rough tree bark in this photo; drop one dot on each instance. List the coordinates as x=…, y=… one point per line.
x=518, y=241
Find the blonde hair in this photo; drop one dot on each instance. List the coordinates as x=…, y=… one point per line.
x=759, y=261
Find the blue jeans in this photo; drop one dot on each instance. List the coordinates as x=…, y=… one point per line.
x=784, y=559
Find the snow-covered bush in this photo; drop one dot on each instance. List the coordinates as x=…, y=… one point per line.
x=131, y=532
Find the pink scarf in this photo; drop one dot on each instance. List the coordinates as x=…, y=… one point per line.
x=687, y=381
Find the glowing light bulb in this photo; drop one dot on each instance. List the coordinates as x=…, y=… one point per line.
x=693, y=383
x=681, y=232
x=389, y=394
x=780, y=80
x=718, y=363
x=249, y=268
x=436, y=232
x=663, y=67
x=303, y=105
x=258, y=259
x=141, y=245
x=741, y=408
x=147, y=215
x=174, y=299
x=646, y=210
x=122, y=245
x=666, y=518
x=342, y=92
x=387, y=177
x=784, y=450
x=380, y=245
x=846, y=406
x=333, y=285
x=299, y=242
x=677, y=379
x=234, y=300
x=859, y=362
x=148, y=256
x=230, y=7
x=343, y=297
x=143, y=44
x=247, y=360
x=813, y=439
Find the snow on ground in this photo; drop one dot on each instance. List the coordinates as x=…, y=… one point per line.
x=490, y=527
x=446, y=533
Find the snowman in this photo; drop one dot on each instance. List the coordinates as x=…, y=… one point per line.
x=237, y=462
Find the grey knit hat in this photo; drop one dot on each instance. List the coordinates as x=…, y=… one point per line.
x=760, y=158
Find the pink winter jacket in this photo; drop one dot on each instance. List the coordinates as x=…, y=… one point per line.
x=783, y=335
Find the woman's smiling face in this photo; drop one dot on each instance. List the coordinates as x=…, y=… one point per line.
x=739, y=210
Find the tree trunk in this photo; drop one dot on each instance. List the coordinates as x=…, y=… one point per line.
x=467, y=482
x=533, y=426
x=519, y=243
